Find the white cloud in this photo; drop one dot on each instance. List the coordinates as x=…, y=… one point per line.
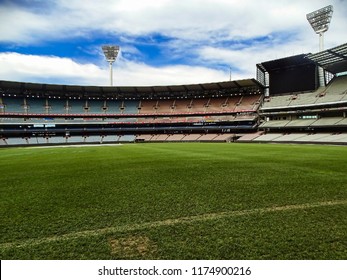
x=258, y=30
x=191, y=19
x=137, y=74
x=18, y=25
x=47, y=69
x=243, y=60
x=20, y=67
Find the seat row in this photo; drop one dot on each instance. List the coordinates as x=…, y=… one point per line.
x=97, y=139
x=336, y=92
x=327, y=121
x=77, y=106
x=335, y=138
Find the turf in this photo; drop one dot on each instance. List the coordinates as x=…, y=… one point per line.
x=174, y=201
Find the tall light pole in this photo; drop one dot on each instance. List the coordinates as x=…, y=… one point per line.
x=320, y=21
x=111, y=53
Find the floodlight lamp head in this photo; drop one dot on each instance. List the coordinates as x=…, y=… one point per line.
x=320, y=19
x=110, y=52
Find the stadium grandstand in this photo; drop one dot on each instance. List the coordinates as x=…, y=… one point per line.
x=297, y=106
x=34, y=114
x=289, y=101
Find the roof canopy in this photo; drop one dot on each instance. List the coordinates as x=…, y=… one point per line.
x=333, y=60
x=285, y=63
x=183, y=91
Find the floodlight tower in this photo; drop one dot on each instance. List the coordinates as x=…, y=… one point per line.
x=111, y=53
x=320, y=21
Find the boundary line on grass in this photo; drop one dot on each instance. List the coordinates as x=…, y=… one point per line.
x=168, y=222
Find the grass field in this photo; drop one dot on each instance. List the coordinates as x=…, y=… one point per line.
x=174, y=201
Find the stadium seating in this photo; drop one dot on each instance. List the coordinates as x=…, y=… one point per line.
x=175, y=137
x=3, y=142
x=336, y=138
x=248, y=103
x=207, y=137
x=165, y=106
x=327, y=121
x=182, y=115
x=38, y=140
x=115, y=106
x=342, y=122
x=92, y=106
x=96, y=107
x=36, y=105
x=323, y=138
x=57, y=106
x=199, y=105
x=57, y=140
x=181, y=106
x=219, y=104
x=335, y=92
x=13, y=105
x=225, y=137
x=17, y=141
x=314, y=137
x=211, y=137
x=268, y=137
x=274, y=102
x=93, y=139
x=130, y=107
x=126, y=138
x=149, y=106
x=249, y=137
x=75, y=139
x=275, y=123
x=76, y=106
x=300, y=123
x=290, y=137
x=144, y=137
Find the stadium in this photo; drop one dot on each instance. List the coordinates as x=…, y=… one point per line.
x=297, y=107
x=179, y=171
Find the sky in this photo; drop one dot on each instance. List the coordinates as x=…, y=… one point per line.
x=162, y=42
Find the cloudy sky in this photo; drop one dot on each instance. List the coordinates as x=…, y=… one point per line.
x=163, y=42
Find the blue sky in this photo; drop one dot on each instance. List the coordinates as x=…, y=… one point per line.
x=162, y=42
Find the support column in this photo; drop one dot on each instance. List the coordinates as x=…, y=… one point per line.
x=111, y=75
x=320, y=69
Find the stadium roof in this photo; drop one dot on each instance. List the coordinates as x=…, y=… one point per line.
x=183, y=91
x=333, y=60
x=283, y=63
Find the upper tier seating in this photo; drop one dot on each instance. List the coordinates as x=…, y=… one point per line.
x=114, y=106
x=321, y=122
x=182, y=106
x=335, y=92
x=130, y=107
x=13, y=105
x=36, y=105
x=33, y=105
x=199, y=105
x=76, y=106
x=96, y=107
x=57, y=106
x=165, y=106
x=248, y=103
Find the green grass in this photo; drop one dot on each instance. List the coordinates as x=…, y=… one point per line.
x=174, y=201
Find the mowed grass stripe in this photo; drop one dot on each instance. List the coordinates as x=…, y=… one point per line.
x=168, y=222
